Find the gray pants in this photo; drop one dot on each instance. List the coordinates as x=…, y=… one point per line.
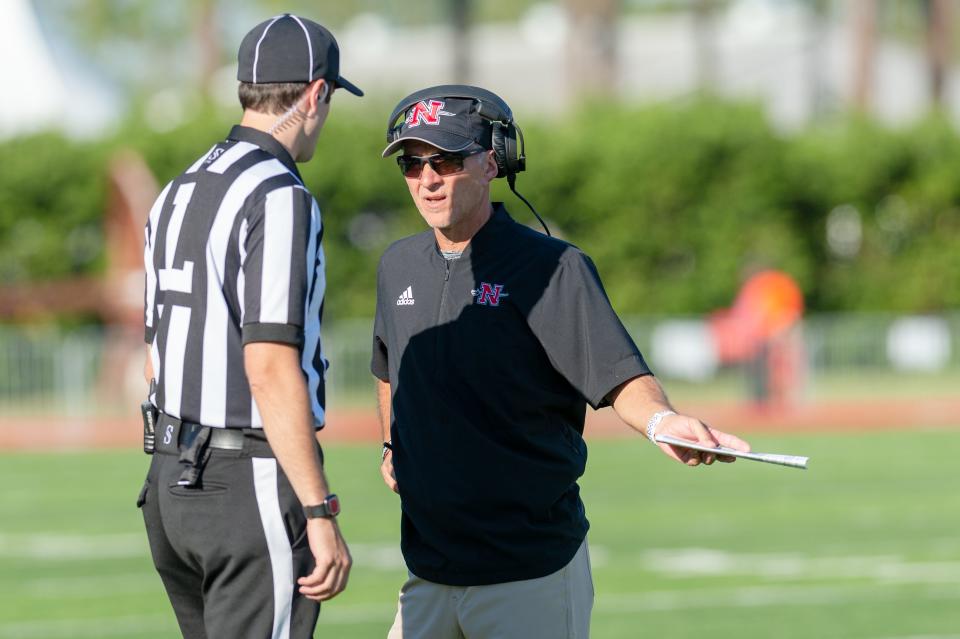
x=557, y=606
x=230, y=550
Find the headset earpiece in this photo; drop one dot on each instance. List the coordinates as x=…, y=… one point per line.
x=499, y=144
x=520, y=153
x=510, y=157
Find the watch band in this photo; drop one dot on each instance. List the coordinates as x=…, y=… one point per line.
x=654, y=422
x=329, y=508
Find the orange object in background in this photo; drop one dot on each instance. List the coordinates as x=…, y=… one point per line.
x=761, y=331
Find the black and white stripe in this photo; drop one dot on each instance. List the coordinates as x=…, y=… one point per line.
x=233, y=255
x=278, y=545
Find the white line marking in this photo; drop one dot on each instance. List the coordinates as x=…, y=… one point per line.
x=130, y=626
x=612, y=604
x=309, y=46
x=692, y=562
x=91, y=586
x=55, y=547
x=52, y=546
x=377, y=556
x=256, y=51
x=760, y=596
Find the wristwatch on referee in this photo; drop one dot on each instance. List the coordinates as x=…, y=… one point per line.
x=328, y=509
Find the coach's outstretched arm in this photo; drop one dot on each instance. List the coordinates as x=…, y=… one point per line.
x=640, y=399
x=280, y=390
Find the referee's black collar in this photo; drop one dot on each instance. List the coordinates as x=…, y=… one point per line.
x=266, y=142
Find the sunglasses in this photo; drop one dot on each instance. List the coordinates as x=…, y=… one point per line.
x=444, y=163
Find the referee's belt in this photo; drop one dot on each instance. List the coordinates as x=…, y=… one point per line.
x=175, y=436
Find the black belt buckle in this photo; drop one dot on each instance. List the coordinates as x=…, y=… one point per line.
x=149, y=412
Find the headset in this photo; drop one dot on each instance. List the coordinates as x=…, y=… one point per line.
x=509, y=155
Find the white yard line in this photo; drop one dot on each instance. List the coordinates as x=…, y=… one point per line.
x=675, y=562
x=349, y=614
x=56, y=546
x=701, y=562
x=127, y=626
x=759, y=596
x=91, y=587
x=612, y=604
x=377, y=556
x=133, y=626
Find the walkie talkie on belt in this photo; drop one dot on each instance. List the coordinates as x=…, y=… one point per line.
x=149, y=412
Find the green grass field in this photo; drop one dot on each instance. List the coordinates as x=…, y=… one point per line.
x=864, y=544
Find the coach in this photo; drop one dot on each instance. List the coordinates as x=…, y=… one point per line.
x=490, y=339
x=239, y=515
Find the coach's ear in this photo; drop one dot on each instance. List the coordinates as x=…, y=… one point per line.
x=490, y=169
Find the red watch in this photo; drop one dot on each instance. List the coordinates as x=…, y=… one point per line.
x=330, y=507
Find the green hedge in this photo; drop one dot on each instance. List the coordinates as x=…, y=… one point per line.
x=52, y=194
x=673, y=202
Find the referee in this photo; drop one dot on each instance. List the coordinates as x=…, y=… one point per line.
x=238, y=512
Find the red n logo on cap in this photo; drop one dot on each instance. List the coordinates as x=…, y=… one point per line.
x=426, y=113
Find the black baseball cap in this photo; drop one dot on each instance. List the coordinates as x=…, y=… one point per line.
x=288, y=48
x=450, y=124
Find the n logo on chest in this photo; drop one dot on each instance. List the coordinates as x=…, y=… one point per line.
x=489, y=294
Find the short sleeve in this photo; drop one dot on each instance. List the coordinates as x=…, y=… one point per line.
x=151, y=314
x=274, y=241
x=379, y=360
x=580, y=332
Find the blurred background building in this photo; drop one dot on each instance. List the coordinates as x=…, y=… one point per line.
x=854, y=104
x=802, y=59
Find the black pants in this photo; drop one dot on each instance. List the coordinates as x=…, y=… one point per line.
x=230, y=550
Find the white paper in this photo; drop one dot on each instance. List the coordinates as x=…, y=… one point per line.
x=793, y=461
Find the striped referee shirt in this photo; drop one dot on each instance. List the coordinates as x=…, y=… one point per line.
x=232, y=254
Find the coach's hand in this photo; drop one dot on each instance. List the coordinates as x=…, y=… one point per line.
x=329, y=576
x=694, y=430
x=386, y=470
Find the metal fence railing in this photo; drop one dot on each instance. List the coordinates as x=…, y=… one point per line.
x=50, y=368
x=46, y=368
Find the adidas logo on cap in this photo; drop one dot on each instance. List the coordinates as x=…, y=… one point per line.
x=406, y=298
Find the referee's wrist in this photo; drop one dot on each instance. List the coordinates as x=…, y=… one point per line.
x=387, y=448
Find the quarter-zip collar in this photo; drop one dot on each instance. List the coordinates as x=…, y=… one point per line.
x=498, y=220
x=266, y=142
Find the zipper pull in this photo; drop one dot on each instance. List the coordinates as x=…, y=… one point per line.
x=446, y=272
